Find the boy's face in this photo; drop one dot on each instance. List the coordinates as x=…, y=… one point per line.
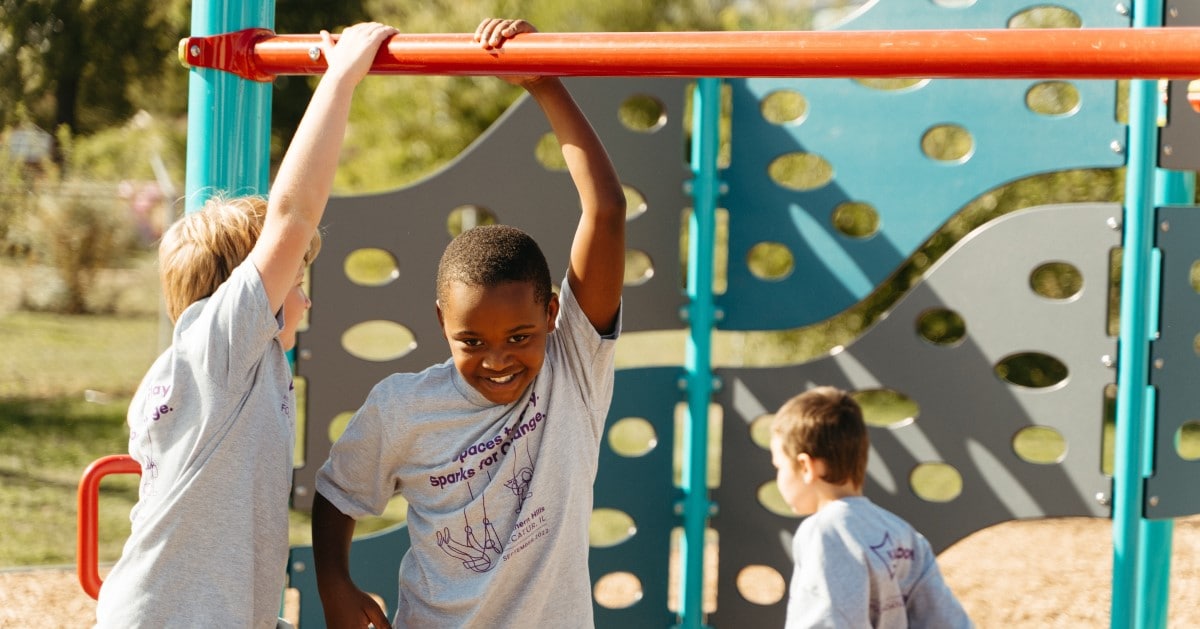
x=294, y=306
x=791, y=478
x=497, y=336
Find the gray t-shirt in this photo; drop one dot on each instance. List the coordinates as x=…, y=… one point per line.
x=500, y=497
x=213, y=427
x=859, y=565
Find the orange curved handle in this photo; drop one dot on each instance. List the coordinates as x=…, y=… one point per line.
x=88, y=562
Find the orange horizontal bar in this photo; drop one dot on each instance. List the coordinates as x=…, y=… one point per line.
x=1150, y=53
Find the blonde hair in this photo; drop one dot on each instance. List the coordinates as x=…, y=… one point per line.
x=201, y=249
x=825, y=423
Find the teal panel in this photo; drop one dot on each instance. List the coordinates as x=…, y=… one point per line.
x=374, y=566
x=872, y=140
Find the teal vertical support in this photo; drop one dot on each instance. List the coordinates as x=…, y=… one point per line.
x=706, y=104
x=1155, y=539
x=229, y=118
x=1128, y=588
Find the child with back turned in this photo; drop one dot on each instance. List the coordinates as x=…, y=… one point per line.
x=856, y=564
x=213, y=422
x=495, y=449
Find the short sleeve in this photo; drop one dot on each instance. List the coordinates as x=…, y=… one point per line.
x=359, y=476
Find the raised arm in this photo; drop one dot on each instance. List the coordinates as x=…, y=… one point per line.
x=597, y=270
x=301, y=189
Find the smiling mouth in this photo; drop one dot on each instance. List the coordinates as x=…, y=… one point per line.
x=503, y=379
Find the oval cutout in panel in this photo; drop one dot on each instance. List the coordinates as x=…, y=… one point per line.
x=769, y=497
x=548, y=153
x=338, y=425
x=1187, y=441
x=371, y=266
x=1039, y=444
x=642, y=113
x=784, y=107
x=632, y=437
x=1052, y=98
x=1033, y=370
x=1056, y=280
x=761, y=585
x=856, y=219
x=609, y=527
x=770, y=261
x=760, y=431
x=1046, y=16
x=800, y=171
x=378, y=340
x=635, y=203
x=617, y=590
x=935, y=482
x=941, y=326
x=948, y=143
x=465, y=217
x=892, y=85
x=639, y=268
x=886, y=408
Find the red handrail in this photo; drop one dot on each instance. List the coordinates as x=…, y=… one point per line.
x=88, y=561
x=1078, y=53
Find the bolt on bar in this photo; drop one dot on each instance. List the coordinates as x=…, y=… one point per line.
x=1122, y=53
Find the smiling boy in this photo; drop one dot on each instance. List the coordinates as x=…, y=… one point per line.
x=495, y=449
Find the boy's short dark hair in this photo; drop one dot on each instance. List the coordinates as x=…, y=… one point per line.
x=826, y=423
x=490, y=255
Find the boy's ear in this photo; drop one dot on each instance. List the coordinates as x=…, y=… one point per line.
x=551, y=312
x=807, y=468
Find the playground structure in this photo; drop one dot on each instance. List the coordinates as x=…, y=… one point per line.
x=870, y=143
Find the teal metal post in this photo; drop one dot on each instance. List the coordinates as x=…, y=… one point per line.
x=1128, y=602
x=229, y=118
x=706, y=104
x=1155, y=540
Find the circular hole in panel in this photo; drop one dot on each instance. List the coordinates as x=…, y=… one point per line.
x=760, y=431
x=617, y=590
x=893, y=85
x=609, y=527
x=642, y=113
x=784, y=107
x=800, y=171
x=1052, y=98
x=770, y=261
x=936, y=482
x=632, y=437
x=371, y=267
x=378, y=340
x=948, y=143
x=338, y=425
x=761, y=585
x=465, y=217
x=1187, y=440
x=941, y=326
x=1039, y=444
x=885, y=408
x=856, y=219
x=639, y=268
x=548, y=153
x=1056, y=280
x=1194, y=276
x=769, y=497
x=1196, y=344
x=1034, y=370
x=1046, y=16
x=635, y=203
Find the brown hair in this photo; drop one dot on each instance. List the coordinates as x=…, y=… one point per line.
x=201, y=249
x=825, y=423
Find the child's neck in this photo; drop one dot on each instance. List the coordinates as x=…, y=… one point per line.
x=828, y=493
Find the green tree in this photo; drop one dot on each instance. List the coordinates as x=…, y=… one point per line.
x=86, y=64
